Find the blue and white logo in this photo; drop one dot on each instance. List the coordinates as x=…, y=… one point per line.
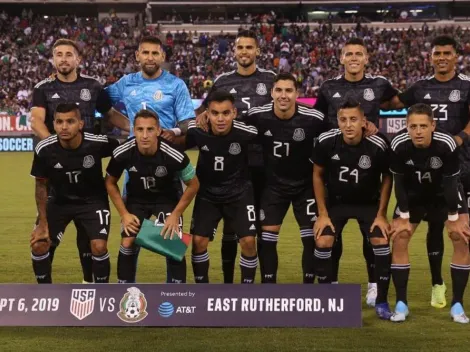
x=166, y=309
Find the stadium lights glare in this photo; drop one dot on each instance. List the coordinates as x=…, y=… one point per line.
x=416, y=10
x=46, y=17
x=382, y=11
x=350, y=11
x=317, y=12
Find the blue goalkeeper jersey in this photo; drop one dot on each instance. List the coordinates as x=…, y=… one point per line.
x=166, y=95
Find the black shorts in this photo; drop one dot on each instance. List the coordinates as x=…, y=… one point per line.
x=435, y=209
x=239, y=215
x=146, y=211
x=274, y=206
x=364, y=214
x=92, y=219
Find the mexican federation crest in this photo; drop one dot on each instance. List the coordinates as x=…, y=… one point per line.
x=261, y=89
x=299, y=135
x=454, y=96
x=85, y=95
x=158, y=95
x=133, y=306
x=161, y=171
x=369, y=94
x=364, y=162
x=435, y=162
x=88, y=161
x=235, y=149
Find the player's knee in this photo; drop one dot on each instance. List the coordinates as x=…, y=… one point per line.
x=99, y=247
x=40, y=248
x=200, y=244
x=402, y=238
x=248, y=244
x=460, y=246
x=128, y=242
x=378, y=241
x=325, y=241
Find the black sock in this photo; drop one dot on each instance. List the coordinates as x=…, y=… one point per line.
x=248, y=267
x=308, y=242
x=177, y=270
x=459, y=274
x=260, y=259
x=323, y=264
x=435, y=247
x=126, y=265
x=51, y=253
x=383, y=260
x=336, y=254
x=269, y=253
x=42, y=268
x=101, y=268
x=200, y=263
x=400, y=275
x=369, y=257
x=229, y=256
x=84, y=253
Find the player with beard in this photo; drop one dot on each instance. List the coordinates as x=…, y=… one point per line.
x=251, y=87
x=448, y=94
x=67, y=85
x=159, y=91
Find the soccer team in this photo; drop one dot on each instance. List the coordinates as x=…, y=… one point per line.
x=259, y=151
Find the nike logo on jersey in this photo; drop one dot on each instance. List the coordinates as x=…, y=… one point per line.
x=104, y=232
x=133, y=169
x=233, y=91
x=410, y=162
x=55, y=96
x=57, y=166
x=335, y=157
x=205, y=148
x=268, y=133
x=427, y=96
x=337, y=95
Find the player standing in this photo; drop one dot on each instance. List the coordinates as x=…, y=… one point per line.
x=152, y=164
x=354, y=170
x=70, y=187
x=426, y=172
x=371, y=92
x=67, y=86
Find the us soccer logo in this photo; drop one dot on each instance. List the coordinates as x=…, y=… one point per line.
x=133, y=306
x=82, y=303
x=85, y=95
x=369, y=94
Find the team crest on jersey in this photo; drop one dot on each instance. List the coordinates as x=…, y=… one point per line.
x=299, y=135
x=88, y=161
x=369, y=94
x=158, y=95
x=454, y=96
x=235, y=149
x=261, y=89
x=133, y=306
x=364, y=162
x=85, y=95
x=435, y=162
x=161, y=171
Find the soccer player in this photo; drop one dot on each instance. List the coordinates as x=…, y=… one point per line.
x=251, y=87
x=372, y=92
x=354, y=171
x=448, y=93
x=226, y=191
x=157, y=90
x=152, y=164
x=65, y=86
x=426, y=171
x=70, y=187
x=287, y=131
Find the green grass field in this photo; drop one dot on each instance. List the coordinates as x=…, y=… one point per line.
x=427, y=328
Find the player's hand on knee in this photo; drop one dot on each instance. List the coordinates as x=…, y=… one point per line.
x=171, y=227
x=40, y=233
x=459, y=227
x=383, y=225
x=398, y=226
x=130, y=224
x=321, y=224
x=168, y=135
x=202, y=121
x=371, y=129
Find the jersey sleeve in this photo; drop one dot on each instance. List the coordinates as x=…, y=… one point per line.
x=191, y=135
x=319, y=153
x=321, y=104
x=39, y=98
x=250, y=118
x=451, y=164
x=116, y=167
x=184, y=169
x=408, y=96
x=103, y=103
x=39, y=167
x=108, y=148
x=115, y=91
x=184, y=108
x=397, y=165
x=389, y=92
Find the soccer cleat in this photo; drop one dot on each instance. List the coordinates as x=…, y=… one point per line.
x=86, y=282
x=383, y=311
x=401, y=312
x=438, y=296
x=458, y=315
x=371, y=295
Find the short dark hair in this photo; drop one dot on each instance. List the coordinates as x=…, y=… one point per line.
x=351, y=103
x=64, y=108
x=444, y=40
x=286, y=76
x=64, y=41
x=219, y=96
x=147, y=114
x=151, y=40
x=247, y=34
x=420, y=109
x=355, y=41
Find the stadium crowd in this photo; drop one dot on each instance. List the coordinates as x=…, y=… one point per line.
x=312, y=54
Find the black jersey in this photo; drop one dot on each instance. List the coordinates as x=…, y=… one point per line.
x=74, y=175
x=151, y=178
x=424, y=168
x=287, y=145
x=371, y=91
x=85, y=91
x=352, y=172
x=222, y=167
